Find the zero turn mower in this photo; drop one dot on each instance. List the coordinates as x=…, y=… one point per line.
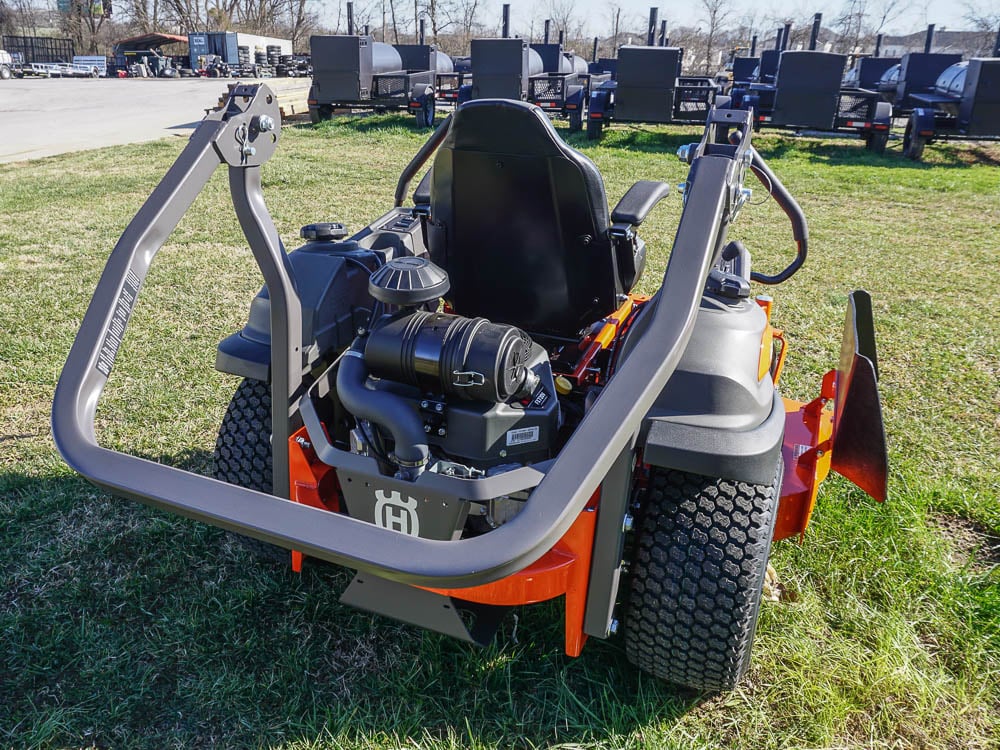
x=466, y=403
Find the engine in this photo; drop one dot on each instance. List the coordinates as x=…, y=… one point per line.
x=433, y=391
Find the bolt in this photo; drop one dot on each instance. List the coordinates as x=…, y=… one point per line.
x=745, y=194
x=360, y=331
x=503, y=454
x=427, y=428
x=442, y=432
x=613, y=627
x=439, y=408
x=249, y=150
x=423, y=404
x=628, y=522
x=265, y=123
x=686, y=152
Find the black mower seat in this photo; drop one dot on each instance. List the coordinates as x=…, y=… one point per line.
x=520, y=222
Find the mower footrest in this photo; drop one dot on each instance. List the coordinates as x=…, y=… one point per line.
x=467, y=621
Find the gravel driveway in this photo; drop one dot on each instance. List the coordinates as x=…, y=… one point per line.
x=46, y=116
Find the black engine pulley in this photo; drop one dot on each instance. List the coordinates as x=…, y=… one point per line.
x=469, y=358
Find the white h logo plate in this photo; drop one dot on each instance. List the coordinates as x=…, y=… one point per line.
x=396, y=513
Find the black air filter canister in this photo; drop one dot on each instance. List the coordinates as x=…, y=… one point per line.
x=469, y=358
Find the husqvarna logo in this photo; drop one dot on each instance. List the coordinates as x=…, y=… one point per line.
x=396, y=513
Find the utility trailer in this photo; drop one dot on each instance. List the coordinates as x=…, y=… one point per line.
x=649, y=88
x=449, y=85
x=807, y=95
x=352, y=70
x=744, y=69
x=867, y=72
x=917, y=73
x=965, y=104
x=8, y=68
x=564, y=84
x=543, y=74
x=61, y=70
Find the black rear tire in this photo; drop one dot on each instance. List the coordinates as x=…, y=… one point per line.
x=594, y=128
x=913, y=142
x=702, y=546
x=425, y=114
x=575, y=121
x=876, y=142
x=243, y=453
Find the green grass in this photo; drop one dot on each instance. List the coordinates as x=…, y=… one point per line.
x=121, y=626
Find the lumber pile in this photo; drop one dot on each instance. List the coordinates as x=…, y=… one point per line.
x=292, y=94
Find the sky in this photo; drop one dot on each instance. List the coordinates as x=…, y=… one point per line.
x=946, y=14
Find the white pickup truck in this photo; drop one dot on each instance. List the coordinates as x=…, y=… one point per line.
x=6, y=65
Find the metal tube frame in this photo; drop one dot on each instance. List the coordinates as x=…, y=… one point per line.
x=563, y=487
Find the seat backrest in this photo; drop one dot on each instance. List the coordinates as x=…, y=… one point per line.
x=519, y=220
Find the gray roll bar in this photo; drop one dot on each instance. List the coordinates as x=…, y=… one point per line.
x=242, y=137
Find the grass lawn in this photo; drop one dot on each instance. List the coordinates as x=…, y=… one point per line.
x=125, y=627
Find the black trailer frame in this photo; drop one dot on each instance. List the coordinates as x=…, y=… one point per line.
x=501, y=69
x=972, y=115
x=918, y=72
x=343, y=78
x=807, y=96
x=648, y=88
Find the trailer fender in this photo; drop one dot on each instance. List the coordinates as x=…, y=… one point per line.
x=601, y=104
x=883, y=115
x=420, y=92
x=923, y=122
x=576, y=97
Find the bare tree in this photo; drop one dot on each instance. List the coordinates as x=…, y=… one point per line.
x=565, y=18
x=716, y=13
x=83, y=24
x=7, y=19
x=984, y=19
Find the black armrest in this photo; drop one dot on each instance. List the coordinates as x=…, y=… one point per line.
x=638, y=202
x=422, y=195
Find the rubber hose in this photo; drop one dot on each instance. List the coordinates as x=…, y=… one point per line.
x=383, y=408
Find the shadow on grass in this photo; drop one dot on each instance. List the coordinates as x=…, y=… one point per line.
x=130, y=627
x=367, y=122
x=850, y=152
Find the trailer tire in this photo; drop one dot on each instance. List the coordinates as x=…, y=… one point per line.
x=913, y=142
x=701, y=552
x=4, y=73
x=575, y=121
x=876, y=142
x=243, y=454
x=425, y=113
x=594, y=128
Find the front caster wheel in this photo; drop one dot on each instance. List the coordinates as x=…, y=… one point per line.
x=243, y=453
